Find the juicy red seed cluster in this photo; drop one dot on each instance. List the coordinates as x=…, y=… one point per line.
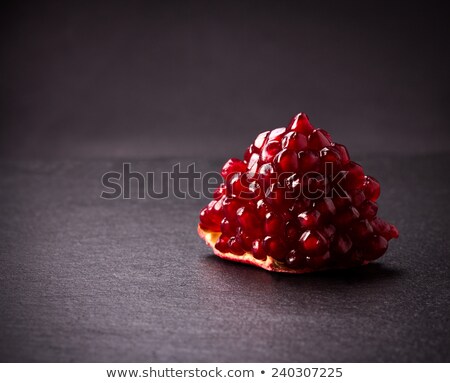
x=269, y=207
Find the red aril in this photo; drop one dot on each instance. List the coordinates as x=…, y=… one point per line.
x=295, y=141
x=274, y=225
x=286, y=161
x=258, y=249
x=343, y=153
x=275, y=247
x=318, y=139
x=371, y=188
x=300, y=123
x=233, y=165
x=308, y=161
x=270, y=150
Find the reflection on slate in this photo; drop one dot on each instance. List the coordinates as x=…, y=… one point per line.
x=89, y=280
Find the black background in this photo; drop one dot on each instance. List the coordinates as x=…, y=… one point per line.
x=145, y=78
x=88, y=85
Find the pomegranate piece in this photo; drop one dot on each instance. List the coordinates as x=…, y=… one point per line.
x=280, y=208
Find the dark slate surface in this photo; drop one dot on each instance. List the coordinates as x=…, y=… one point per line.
x=89, y=280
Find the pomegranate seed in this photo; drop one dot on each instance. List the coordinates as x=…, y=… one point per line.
x=354, y=178
x=330, y=154
x=266, y=176
x=286, y=215
x=205, y=222
x=256, y=190
x=341, y=202
x=276, y=134
x=244, y=239
x=227, y=228
x=295, y=141
x=212, y=215
x=262, y=208
x=275, y=247
x=300, y=123
x=343, y=153
x=341, y=244
x=384, y=229
x=276, y=197
x=327, y=135
x=308, y=219
x=300, y=205
x=219, y=192
x=274, y=225
x=318, y=262
x=238, y=186
x=393, y=231
x=312, y=242
x=325, y=206
x=295, y=259
x=235, y=247
x=286, y=161
x=346, y=216
x=330, y=160
x=358, y=198
x=318, y=139
x=270, y=150
x=314, y=186
x=368, y=209
x=371, y=188
x=222, y=244
x=253, y=164
x=292, y=233
x=375, y=247
x=258, y=249
x=248, y=218
x=361, y=229
x=261, y=139
x=233, y=165
x=249, y=152
x=380, y=227
x=308, y=161
x=230, y=207
x=329, y=231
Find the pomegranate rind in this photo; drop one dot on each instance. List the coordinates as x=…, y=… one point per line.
x=269, y=264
